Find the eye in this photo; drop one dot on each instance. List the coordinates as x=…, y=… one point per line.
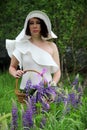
x=37, y=22
x=31, y=23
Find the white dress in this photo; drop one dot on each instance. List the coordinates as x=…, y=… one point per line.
x=31, y=57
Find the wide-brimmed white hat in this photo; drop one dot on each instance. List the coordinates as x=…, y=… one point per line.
x=41, y=15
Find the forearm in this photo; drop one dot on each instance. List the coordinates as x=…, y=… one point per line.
x=12, y=71
x=56, y=76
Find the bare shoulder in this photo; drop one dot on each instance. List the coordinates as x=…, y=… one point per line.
x=52, y=45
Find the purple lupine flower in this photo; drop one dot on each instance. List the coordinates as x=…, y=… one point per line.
x=28, y=84
x=36, y=87
x=80, y=90
x=41, y=84
x=14, y=117
x=38, y=97
x=65, y=100
x=72, y=98
x=59, y=99
x=41, y=96
x=43, y=122
x=43, y=71
x=50, y=90
x=23, y=119
x=27, y=118
x=79, y=97
x=33, y=101
x=41, y=99
x=75, y=82
x=28, y=115
x=60, y=96
x=50, y=93
x=45, y=106
x=43, y=89
x=27, y=87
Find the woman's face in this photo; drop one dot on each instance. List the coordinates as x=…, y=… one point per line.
x=34, y=26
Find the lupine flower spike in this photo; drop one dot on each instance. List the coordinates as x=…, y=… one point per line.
x=14, y=124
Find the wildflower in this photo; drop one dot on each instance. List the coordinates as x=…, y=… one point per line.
x=14, y=117
x=33, y=101
x=43, y=122
x=75, y=82
x=28, y=86
x=45, y=106
x=59, y=99
x=72, y=98
x=80, y=90
x=40, y=96
x=28, y=115
x=43, y=71
x=27, y=118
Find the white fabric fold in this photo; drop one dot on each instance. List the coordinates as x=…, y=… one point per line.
x=10, y=46
x=22, y=36
x=39, y=55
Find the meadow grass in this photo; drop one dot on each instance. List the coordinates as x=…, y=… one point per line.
x=56, y=118
x=7, y=87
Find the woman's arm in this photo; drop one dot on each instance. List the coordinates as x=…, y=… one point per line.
x=57, y=75
x=13, y=68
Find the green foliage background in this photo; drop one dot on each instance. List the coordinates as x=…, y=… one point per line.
x=68, y=17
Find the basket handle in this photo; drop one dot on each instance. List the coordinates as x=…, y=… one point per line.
x=24, y=73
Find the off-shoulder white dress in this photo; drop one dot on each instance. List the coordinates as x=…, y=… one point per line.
x=31, y=57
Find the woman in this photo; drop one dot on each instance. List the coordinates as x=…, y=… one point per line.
x=33, y=51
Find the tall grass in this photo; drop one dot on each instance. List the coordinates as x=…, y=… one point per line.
x=7, y=86
x=56, y=118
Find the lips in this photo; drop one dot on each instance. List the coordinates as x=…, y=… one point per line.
x=35, y=31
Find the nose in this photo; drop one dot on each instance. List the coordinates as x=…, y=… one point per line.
x=35, y=25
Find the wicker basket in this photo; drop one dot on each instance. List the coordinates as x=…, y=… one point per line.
x=21, y=96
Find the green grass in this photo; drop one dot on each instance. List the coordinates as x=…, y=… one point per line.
x=7, y=87
x=56, y=120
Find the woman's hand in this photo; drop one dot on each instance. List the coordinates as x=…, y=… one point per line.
x=18, y=73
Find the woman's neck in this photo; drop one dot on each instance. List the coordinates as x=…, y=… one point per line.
x=36, y=40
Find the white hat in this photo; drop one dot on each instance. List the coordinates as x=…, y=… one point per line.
x=41, y=15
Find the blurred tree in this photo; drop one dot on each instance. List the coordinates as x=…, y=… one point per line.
x=69, y=22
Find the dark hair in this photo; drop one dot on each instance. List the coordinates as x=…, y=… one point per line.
x=44, y=30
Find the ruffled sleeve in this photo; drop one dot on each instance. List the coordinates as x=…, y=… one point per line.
x=10, y=46
x=18, y=56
